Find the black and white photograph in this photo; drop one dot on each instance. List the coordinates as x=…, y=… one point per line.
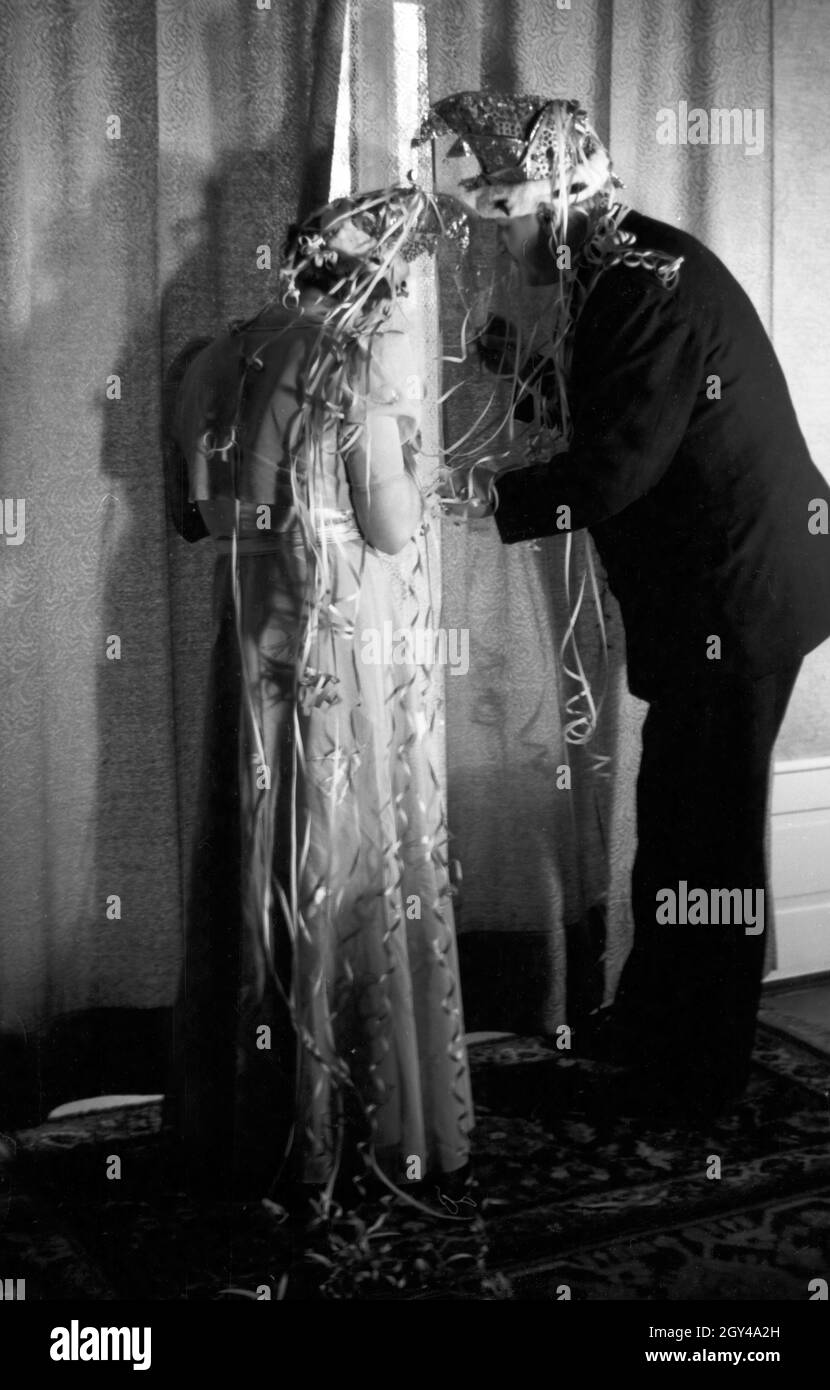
x=415, y=719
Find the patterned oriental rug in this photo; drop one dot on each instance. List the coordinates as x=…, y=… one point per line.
x=568, y=1201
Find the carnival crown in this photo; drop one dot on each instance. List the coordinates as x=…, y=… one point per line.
x=531, y=150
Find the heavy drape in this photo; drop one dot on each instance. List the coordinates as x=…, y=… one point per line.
x=152, y=157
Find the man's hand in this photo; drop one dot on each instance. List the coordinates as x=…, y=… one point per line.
x=468, y=495
x=495, y=344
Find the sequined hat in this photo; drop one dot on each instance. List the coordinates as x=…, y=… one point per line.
x=532, y=151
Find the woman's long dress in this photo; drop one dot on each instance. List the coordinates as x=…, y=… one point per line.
x=319, y=1010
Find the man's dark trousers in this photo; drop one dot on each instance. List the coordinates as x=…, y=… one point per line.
x=689, y=994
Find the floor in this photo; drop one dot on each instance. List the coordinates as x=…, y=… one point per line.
x=803, y=1010
x=810, y=1002
x=807, y=1004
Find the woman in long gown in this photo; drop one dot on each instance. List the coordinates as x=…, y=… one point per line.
x=319, y=1016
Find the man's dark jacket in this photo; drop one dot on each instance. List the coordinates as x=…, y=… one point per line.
x=699, y=506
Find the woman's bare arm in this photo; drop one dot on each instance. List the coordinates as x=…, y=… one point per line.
x=386, y=498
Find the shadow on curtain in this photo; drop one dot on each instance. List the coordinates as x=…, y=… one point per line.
x=153, y=159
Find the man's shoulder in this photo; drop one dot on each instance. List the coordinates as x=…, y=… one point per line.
x=702, y=286
x=653, y=235
x=704, y=279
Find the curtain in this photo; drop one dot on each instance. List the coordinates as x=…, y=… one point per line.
x=153, y=155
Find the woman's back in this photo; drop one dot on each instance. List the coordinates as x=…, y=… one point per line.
x=267, y=412
x=320, y=915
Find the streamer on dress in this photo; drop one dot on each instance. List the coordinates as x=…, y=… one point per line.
x=355, y=247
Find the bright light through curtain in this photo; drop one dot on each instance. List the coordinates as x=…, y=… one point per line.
x=383, y=98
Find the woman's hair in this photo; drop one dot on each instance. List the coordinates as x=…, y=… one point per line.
x=351, y=246
x=306, y=273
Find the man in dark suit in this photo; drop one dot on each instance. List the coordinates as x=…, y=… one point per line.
x=685, y=461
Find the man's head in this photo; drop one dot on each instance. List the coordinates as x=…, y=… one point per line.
x=545, y=176
x=534, y=241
